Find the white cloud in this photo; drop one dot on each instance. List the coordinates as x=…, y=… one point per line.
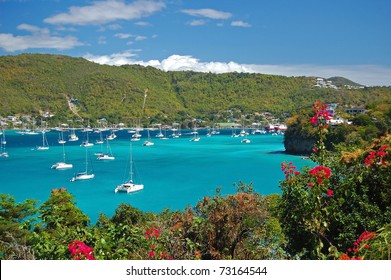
x=40, y=38
x=207, y=13
x=113, y=59
x=123, y=35
x=102, y=12
x=364, y=74
x=240, y=23
x=140, y=38
x=197, y=22
x=127, y=36
x=143, y=23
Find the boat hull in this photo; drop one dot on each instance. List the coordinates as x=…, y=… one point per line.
x=81, y=177
x=62, y=166
x=129, y=187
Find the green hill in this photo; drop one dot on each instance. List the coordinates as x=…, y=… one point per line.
x=341, y=82
x=36, y=83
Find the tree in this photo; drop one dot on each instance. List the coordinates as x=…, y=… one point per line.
x=16, y=221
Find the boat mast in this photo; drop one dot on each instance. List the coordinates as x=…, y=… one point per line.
x=131, y=164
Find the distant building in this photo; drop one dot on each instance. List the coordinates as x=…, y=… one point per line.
x=355, y=111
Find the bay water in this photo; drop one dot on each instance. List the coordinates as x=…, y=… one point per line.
x=176, y=173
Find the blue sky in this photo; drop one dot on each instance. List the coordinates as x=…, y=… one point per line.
x=350, y=38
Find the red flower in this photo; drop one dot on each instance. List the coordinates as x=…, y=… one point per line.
x=344, y=257
x=314, y=120
x=151, y=254
x=79, y=250
x=329, y=192
x=321, y=173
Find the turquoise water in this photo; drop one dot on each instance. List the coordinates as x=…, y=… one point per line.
x=176, y=173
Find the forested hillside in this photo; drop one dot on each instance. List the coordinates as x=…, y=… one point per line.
x=35, y=83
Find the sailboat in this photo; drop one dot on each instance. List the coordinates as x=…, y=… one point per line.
x=129, y=186
x=160, y=134
x=61, y=138
x=148, y=142
x=100, y=140
x=108, y=155
x=62, y=165
x=196, y=136
x=73, y=137
x=83, y=175
x=86, y=142
x=3, y=142
x=245, y=140
x=112, y=136
x=45, y=145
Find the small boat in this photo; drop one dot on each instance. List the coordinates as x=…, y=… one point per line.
x=148, y=142
x=196, y=136
x=108, y=155
x=112, y=136
x=129, y=186
x=3, y=152
x=246, y=140
x=45, y=145
x=62, y=165
x=73, y=137
x=100, y=140
x=83, y=175
x=61, y=138
x=86, y=142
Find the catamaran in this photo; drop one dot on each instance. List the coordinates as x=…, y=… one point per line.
x=129, y=186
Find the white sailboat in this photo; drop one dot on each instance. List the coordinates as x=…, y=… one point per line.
x=83, y=175
x=62, y=165
x=160, y=134
x=108, y=155
x=148, y=142
x=100, y=140
x=112, y=136
x=3, y=152
x=73, y=137
x=45, y=145
x=196, y=136
x=86, y=142
x=246, y=140
x=129, y=186
x=61, y=138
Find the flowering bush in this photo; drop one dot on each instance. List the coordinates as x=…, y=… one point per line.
x=346, y=193
x=156, y=251
x=80, y=251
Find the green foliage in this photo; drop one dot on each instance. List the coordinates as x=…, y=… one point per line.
x=238, y=226
x=16, y=220
x=62, y=222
